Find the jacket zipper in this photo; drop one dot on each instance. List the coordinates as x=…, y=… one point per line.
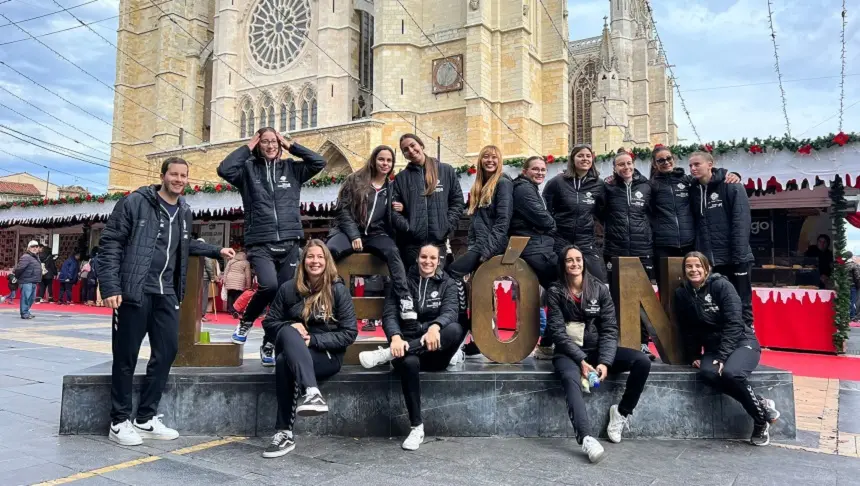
x=271, y=178
x=370, y=216
x=675, y=214
x=167, y=251
x=627, y=214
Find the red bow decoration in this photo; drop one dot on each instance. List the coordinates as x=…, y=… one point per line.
x=840, y=139
x=219, y=188
x=89, y=197
x=805, y=150
x=472, y=170
x=101, y=199
x=126, y=193
x=755, y=149
x=196, y=188
x=658, y=146
x=333, y=180
x=708, y=148
x=840, y=260
x=550, y=159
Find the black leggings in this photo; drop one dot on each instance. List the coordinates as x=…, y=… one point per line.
x=274, y=264
x=297, y=368
x=418, y=359
x=734, y=380
x=464, y=265
x=570, y=373
x=740, y=277
x=380, y=246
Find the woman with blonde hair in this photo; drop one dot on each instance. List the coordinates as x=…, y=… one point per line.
x=314, y=322
x=428, y=201
x=490, y=208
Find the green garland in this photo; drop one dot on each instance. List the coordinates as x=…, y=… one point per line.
x=841, y=305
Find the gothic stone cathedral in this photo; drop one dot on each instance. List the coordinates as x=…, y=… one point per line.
x=342, y=76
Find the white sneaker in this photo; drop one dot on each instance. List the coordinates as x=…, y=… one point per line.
x=543, y=353
x=415, y=439
x=407, y=310
x=124, y=434
x=617, y=423
x=459, y=357
x=154, y=429
x=372, y=359
x=593, y=449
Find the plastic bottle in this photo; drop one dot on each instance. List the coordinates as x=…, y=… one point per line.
x=593, y=379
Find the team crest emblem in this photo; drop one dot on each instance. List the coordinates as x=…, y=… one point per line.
x=638, y=195
x=283, y=178
x=434, y=294
x=593, y=301
x=681, y=185
x=587, y=194
x=708, y=298
x=714, y=196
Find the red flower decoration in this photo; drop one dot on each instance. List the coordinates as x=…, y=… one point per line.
x=196, y=188
x=314, y=182
x=101, y=199
x=229, y=187
x=658, y=146
x=472, y=170
x=840, y=260
x=550, y=159
x=841, y=139
x=126, y=193
x=44, y=201
x=219, y=188
x=708, y=148
x=89, y=197
x=755, y=149
x=333, y=179
x=805, y=150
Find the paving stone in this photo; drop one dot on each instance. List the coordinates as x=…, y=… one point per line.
x=165, y=471
x=78, y=453
x=46, y=391
x=35, y=474
x=9, y=381
x=849, y=410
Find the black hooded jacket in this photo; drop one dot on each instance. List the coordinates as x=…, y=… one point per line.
x=488, y=231
x=723, y=221
x=271, y=191
x=596, y=312
x=379, y=211
x=627, y=228
x=574, y=203
x=334, y=335
x=427, y=219
x=711, y=317
x=530, y=215
x=435, y=301
x=129, y=241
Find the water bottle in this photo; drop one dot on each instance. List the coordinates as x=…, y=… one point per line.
x=593, y=379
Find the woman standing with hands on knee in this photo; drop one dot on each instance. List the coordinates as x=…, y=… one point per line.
x=710, y=313
x=313, y=321
x=425, y=344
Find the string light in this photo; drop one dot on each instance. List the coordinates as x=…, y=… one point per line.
x=842, y=81
x=776, y=66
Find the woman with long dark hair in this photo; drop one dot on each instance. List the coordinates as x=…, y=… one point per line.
x=490, y=208
x=428, y=201
x=271, y=188
x=582, y=324
x=364, y=222
x=313, y=320
x=426, y=344
x=575, y=198
x=710, y=313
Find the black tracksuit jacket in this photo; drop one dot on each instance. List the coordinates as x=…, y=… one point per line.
x=379, y=220
x=574, y=204
x=723, y=221
x=627, y=228
x=427, y=219
x=435, y=301
x=596, y=311
x=488, y=230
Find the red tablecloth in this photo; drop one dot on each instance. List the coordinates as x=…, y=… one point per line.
x=795, y=319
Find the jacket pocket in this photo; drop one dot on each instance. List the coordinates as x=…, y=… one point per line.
x=576, y=331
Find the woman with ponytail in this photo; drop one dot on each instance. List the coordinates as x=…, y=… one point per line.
x=428, y=201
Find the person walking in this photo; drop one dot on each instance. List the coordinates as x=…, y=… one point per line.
x=29, y=274
x=237, y=279
x=92, y=279
x=12, y=283
x=49, y=272
x=719, y=342
x=142, y=268
x=854, y=278
x=582, y=324
x=426, y=344
x=313, y=321
x=68, y=277
x=271, y=188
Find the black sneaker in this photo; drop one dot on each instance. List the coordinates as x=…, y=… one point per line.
x=471, y=349
x=771, y=414
x=369, y=326
x=760, y=435
x=313, y=405
x=267, y=355
x=647, y=351
x=281, y=444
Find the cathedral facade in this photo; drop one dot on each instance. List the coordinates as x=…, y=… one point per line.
x=197, y=78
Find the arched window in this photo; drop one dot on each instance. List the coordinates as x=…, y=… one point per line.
x=292, y=108
x=283, y=117
x=314, y=113
x=267, y=113
x=309, y=109
x=583, y=92
x=243, y=132
x=246, y=119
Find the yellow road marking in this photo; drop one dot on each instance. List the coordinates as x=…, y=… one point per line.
x=137, y=462
x=61, y=327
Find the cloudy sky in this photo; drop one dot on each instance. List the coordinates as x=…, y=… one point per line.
x=715, y=46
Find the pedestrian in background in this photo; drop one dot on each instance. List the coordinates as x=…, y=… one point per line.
x=29, y=274
x=68, y=278
x=854, y=279
x=48, y=263
x=236, y=279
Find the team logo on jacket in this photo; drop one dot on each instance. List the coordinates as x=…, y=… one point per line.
x=440, y=187
x=681, y=185
x=283, y=183
x=708, y=298
x=715, y=201
x=709, y=304
x=589, y=198
x=638, y=202
x=434, y=294
x=592, y=307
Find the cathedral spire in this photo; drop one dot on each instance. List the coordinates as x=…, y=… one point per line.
x=607, y=55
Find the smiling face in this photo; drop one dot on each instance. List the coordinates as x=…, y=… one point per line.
x=699, y=167
x=573, y=266
x=583, y=160
x=270, y=146
x=695, y=271
x=314, y=262
x=665, y=161
x=412, y=150
x=490, y=161
x=536, y=171
x=428, y=261
x=384, y=162
x=624, y=166
x=175, y=179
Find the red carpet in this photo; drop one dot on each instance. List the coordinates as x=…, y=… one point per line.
x=814, y=365
x=855, y=324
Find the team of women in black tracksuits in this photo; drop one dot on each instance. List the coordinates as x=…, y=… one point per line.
x=406, y=220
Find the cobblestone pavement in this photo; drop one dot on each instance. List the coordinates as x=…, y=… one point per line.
x=34, y=356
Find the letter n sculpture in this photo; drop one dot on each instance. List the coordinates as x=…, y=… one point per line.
x=526, y=337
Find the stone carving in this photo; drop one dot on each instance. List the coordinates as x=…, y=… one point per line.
x=473, y=4
x=525, y=10
x=276, y=32
x=447, y=74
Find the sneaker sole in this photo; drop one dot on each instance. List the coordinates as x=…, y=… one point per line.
x=113, y=438
x=410, y=448
x=152, y=436
x=311, y=410
x=597, y=459
x=761, y=445
x=238, y=341
x=365, y=363
x=267, y=365
x=279, y=452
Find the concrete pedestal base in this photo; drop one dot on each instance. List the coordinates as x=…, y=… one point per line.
x=478, y=399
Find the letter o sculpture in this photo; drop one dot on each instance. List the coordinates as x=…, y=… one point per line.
x=528, y=305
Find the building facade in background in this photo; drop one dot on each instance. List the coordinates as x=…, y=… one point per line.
x=342, y=76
